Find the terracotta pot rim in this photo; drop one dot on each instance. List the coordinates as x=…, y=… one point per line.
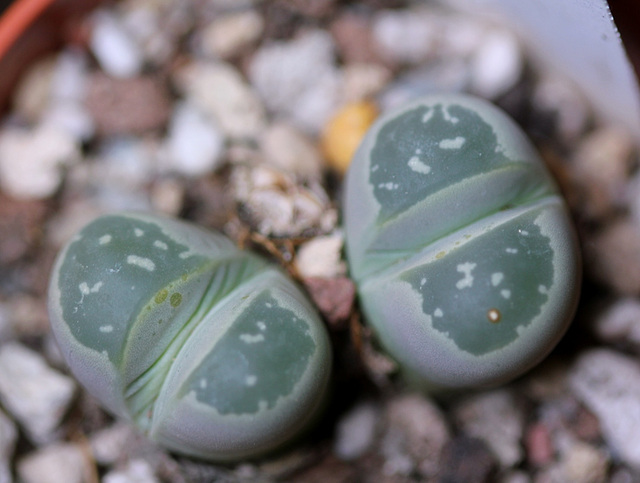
x=17, y=18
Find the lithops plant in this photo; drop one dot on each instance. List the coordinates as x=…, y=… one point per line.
x=212, y=351
x=465, y=259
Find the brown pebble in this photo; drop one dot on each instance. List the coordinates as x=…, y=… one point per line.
x=20, y=227
x=333, y=296
x=538, y=444
x=352, y=34
x=467, y=459
x=613, y=256
x=127, y=106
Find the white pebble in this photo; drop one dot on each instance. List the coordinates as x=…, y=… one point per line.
x=107, y=444
x=356, y=431
x=114, y=48
x=608, y=383
x=494, y=417
x=34, y=393
x=321, y=257
x=58, y=463
x=288, y=150
x=496, y=65
x=136, y=471
x=298, y=78
x=195, y=144
x=31, y=161
x=219, y=90
x=405, y=35
x=620, y=322
x=228, y=35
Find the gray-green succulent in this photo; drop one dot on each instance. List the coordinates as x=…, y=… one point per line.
x=463, y=252
x=212, y=351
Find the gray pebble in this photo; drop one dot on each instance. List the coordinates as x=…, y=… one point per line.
x=356, y=431
x=35, y=394
x=608, y=383
x=495, y=418
x=57, y=463
x=298, y=78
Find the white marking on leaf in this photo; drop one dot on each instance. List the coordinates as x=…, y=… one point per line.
x=104, y=239
x=141, y=262
x=467, y=280
x=496, y=278
x=106, y=329
x=251, y=338
x=418, y=166
x=427, y=116
x=512, y=250
x=138, y=232
x=161, y=245
x=388, y=186
x=251, y=380
x=455, y=143
x=505, y=293
x=438, y=312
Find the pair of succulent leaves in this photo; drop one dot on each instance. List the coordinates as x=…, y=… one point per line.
x=461, y=248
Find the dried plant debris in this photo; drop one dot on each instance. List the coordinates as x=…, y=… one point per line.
x=217, y=112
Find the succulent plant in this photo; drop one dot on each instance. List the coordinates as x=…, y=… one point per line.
x=212, y=351
x=465, y=259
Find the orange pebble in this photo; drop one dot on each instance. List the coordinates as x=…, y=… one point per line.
x=344, y=131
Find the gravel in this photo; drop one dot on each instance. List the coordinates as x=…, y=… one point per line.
x=216, y=112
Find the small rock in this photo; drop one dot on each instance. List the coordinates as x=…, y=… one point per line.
x=333, y=296
x=539, y=446
x=495, y=418
x=601, y=165
x=288, y=150
x=344, y=132
x=608, y=383
x=356, y=430
x=136, y=471
x=620, y=322
x=114, y=47
x=36, y=395
x=330, y=469
x=466, y=459
x=583, y=463
x=107, y=444
x=21, y=227
x=230, y=34
x=354, y=39
x=8, y=437
x=33, y=92
x=569, y=105
x=57, y=463
x=406, y=36
x=417, y=430
x=167, y=196
x=614, y=256
x=275, y=205
x=363, y=81
x=127, y=106
x=32, y=161
x=72, y=117
x=195, y=144
x=298, y=78
x=321, y=257
x=497, y=64
x=219, y=90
